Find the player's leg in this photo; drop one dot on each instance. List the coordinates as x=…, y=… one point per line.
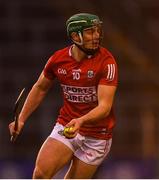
x=88, y=157
x=80, y=170
x=52, y=156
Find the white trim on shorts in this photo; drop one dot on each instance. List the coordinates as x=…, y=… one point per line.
x=89, y=150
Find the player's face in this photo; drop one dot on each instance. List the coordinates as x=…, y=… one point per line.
x=92, y=37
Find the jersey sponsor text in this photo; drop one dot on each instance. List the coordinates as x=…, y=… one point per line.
x=80, y=94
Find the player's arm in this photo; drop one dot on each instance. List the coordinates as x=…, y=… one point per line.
x=35, y=96
x=33, y=100
x=105, y=101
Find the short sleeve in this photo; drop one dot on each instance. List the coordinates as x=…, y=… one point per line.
x=109, y=72
x=49, y=69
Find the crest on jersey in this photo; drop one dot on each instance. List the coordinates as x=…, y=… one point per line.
x=90, y=74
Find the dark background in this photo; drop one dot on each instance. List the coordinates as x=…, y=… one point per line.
x=31, y=31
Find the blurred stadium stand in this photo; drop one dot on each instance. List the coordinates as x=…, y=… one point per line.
x=31, y=31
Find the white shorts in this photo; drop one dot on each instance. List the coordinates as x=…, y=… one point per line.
x=89, y=150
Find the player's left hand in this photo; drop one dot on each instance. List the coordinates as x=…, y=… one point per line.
x=76, y=124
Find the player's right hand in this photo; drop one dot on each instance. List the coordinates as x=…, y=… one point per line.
x=12, y=130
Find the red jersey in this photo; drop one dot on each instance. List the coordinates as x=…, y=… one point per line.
x=79, y=82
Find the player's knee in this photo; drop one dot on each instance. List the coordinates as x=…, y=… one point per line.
x=40, y=174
